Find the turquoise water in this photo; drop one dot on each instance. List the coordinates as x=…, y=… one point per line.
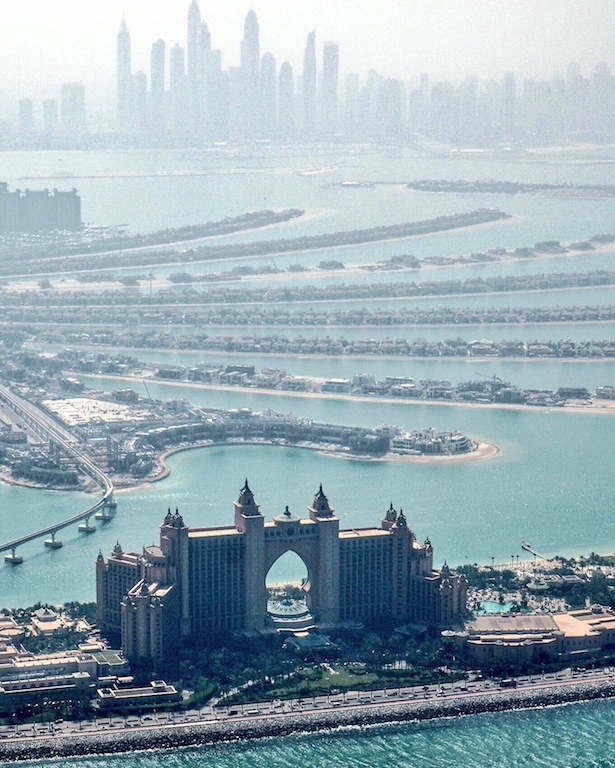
x=574, y=736
x=490, y=607
x=524, y=332
x=552, y=483
x=528, y=374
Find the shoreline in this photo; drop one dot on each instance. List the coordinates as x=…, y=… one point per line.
x=504, y=218
x=172, y=244
x=596, y=409
x=361, y=268
x=256, y=727
x=304, y=328
x=482, y=451
x=350, y=356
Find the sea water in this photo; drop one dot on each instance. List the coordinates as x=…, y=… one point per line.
x=572, y=736
x=551, y=483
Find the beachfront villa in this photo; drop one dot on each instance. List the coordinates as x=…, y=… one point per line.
x=210, y=581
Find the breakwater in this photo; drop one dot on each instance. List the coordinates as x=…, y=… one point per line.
x=93, y=241
x=504, y=187
x=146, y=257
x=278, y=725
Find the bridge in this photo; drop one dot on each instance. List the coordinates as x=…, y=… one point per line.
x=46, y=427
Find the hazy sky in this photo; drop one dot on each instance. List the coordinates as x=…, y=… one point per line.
x=46, y=42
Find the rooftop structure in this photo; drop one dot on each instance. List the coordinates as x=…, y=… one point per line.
x=523, y=637
x=37, y=210
x=213, y=580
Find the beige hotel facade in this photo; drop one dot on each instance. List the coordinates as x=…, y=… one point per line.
x=211, y=581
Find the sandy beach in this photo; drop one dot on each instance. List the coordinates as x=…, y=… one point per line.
x=314, y=273
x=596, y=407
x=159, y=282
x=483, y=451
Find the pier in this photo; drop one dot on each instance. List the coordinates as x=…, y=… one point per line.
x=43, y=425
x=528, y=548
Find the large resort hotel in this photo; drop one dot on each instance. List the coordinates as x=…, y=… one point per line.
x=209, y=581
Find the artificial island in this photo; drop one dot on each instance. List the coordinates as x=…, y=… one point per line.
x=53, y=429
x=373, y=634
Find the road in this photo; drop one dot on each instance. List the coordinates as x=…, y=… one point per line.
x=260, y=711
x=46, y=426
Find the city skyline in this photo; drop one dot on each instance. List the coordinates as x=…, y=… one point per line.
x=483, y=38
x=187, y=94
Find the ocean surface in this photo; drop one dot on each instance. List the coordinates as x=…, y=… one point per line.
x=573, y=736
x=551, y=484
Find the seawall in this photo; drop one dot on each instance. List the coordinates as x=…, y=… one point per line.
x=276, y=725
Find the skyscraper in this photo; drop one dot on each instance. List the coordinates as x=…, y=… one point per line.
x=26, y=117
x=268, y=92
x=509, y=107
x=177, y=83
x=216, y=98
x=73, y=108
x=124, y=75
x=139, y=101
x=249, y=119
x=195, y=72
x=202, y=95
x=350, y=115
x=286, y=102
x=250, y=47
x=309, y=87
x=50, y=116
x=157, y=94
x=195, y=68
x=330, y=77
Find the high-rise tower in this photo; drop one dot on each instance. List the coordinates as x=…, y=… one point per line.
x=309, y=86
x=195, y=74
x=249, y=120
x=330, y=77
x=195, y=68
x=73, y=108
x=157, y=95
x=124, y=75
x=268, y=93
x=250, y=47
x=178, y=89
x=286, y=102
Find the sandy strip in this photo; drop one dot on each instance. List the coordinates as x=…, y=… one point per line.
x=483, y=451
x=160, y=282
x=272, y=255
x=363, y=268
x=603, y=407
x=317, y=355
x=363, y=299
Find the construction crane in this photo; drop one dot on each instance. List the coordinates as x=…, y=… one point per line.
x=496, y=382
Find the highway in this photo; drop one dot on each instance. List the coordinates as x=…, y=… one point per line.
x=288, y=709
x=46, y=427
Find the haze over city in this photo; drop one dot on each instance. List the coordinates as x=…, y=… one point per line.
x=320, y=301
x=48, y=43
